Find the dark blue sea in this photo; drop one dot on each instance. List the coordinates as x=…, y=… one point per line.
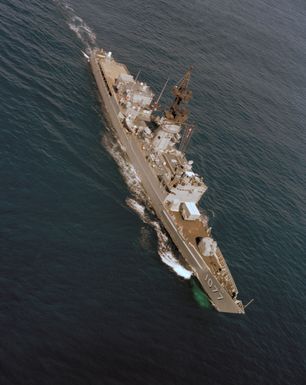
x=91, y=292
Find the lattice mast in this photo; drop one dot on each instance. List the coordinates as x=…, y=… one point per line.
x=178, y=111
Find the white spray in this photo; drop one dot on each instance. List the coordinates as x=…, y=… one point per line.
x=78, y=26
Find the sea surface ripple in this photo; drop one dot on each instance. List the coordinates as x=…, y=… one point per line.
x=92, y=291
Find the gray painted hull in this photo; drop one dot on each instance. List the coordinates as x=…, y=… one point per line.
x=218, y=296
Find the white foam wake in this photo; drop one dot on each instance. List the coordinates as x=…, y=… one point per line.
x=166, y=253
x=78, y=25
x=140, y=205
x=126, y=169
x=83, y=31
x=165, y=250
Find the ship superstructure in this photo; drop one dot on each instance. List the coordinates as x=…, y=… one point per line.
x=152, y=144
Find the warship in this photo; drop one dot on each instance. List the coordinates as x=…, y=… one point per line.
x=155, y=145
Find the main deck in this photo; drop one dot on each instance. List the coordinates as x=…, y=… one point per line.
x=193, y=230
x=112, y=69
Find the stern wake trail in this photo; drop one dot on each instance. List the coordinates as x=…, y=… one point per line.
x=78, y=26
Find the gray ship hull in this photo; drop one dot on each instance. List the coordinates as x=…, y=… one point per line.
x=218, y=296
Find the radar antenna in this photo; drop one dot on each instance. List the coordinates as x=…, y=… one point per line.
x=178, y=111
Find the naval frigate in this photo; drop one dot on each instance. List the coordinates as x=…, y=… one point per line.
x=154, y=145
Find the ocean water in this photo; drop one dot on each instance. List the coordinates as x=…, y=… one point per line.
x=91, y=288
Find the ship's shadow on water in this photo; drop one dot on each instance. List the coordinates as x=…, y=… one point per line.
x=198, y=294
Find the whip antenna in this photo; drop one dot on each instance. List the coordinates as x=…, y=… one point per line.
x=187, y=133
x=162, y=91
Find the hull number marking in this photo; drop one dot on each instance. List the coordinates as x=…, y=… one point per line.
x=214, y=287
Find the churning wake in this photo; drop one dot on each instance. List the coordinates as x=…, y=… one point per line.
x=78, y=25
x=83, y=32
x=165, y=250
x=139, y=204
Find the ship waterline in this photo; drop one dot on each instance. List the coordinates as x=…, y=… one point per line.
x=172, y=188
